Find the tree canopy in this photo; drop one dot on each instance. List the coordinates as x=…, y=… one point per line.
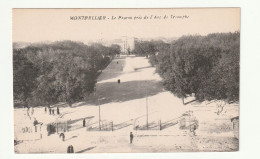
x=65, y=71
x=206, y=66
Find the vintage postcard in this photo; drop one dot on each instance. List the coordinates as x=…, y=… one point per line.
x=126, y=80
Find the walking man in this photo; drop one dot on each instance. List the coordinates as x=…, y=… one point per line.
x=131, y=137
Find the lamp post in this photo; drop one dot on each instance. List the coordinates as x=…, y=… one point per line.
x=147, y=123
x=95, y=91
x=99, y=114
x=147, y=113
x=99, y=117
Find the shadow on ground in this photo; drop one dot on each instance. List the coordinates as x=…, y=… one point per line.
x=168, y=124
x=71, y=138
x=87, y=149
x=125, y=91
x=80, y=119
x=151, y=126
x=189, y=102
x=73, y=125
x=111, y=126
x=122, y=125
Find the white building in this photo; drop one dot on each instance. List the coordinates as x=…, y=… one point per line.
x=127, y=44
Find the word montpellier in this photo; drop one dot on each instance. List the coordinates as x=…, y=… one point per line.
x=87, y=17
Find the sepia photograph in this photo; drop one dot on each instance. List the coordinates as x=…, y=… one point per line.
x=126, y=80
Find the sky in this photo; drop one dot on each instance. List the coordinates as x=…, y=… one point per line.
x=38, y=25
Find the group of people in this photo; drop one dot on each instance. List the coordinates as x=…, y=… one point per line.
x=52, y=111
x=70, y=149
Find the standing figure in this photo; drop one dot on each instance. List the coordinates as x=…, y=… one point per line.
x=194, y=127
x=118, y=81
x=84, y=123
x=71, y=149
x=62, y=136
x=68, y=149
x=131, y=137
x=45, y=109
x=58, y=110
x=35, y=123
x=53, y=111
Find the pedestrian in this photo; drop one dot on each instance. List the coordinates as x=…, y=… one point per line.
x=45, y=109
x=53, y=111
x=62, y=135
x=194, y=127
x=118, y=81
x=35, y=122
x=58, y=110
x=131, y=137
x=84, y=123
x=70, y=149
x=117, y=62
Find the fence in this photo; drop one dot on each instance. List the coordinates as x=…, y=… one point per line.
x=142, y=125
x=104, y=126
x=184, y=121
x=188, y=122
x=61, y=126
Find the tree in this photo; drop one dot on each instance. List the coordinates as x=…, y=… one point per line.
x=144, y=48
x=25, y=73
x=65, y=71
x=207, y=66
x=114, y=50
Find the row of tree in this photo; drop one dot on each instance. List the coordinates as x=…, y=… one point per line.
x=66, y=71
x=204, y=66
